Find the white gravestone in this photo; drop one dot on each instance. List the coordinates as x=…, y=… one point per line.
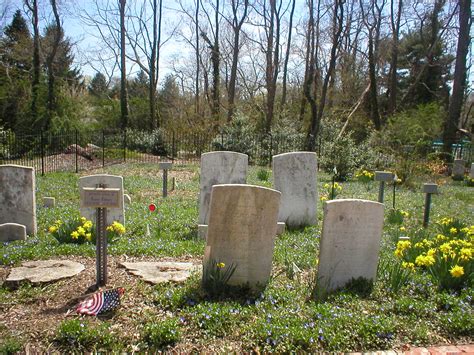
x=17, y=196
x=12, y=231
x=219, y=168
x=350, y=243
x=241, y=232
x=294, y=175
x=102, y=180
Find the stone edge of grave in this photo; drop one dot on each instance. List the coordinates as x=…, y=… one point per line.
x=451, y=349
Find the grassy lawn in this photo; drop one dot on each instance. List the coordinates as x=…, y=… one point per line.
x=404, y=307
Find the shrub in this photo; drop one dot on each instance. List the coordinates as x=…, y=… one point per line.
x=263, y=175
x=159, y=335
x=147, y=142
x=10, y=345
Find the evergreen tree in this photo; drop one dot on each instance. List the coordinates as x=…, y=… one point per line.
x=98, y=86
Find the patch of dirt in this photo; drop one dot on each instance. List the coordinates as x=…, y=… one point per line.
x=34, y=317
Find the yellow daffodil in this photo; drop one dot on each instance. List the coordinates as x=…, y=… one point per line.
x=424, y=260
x=402, y=229
x=456, y=271
x=465, y=254
x=221, y=265
x=81, y=231
x=407, y=265
x=89, y=236
x=453, y=230
x=52, y=229
x=75, y=235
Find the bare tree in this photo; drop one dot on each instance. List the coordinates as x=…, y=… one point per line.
x=317, y=110
x=236, y=24
x=213, y=45
x=395, y=18
x=33, y=7
x=460, y=74
x=287, y=55
x=123, y=69
x=50, y=65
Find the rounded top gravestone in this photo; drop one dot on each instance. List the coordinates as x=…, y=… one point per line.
x=17, y=196
x=219, y=168
x=295, y=176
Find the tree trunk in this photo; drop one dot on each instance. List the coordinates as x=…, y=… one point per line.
x=198, y=61
x=460, y=74
x=51, y=103
x=36, y=62
x=287, y=56
x=374, y=106
x=392, y=84
x=236, y=27
x=123, y=70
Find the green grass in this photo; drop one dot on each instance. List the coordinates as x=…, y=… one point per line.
x=283, y=317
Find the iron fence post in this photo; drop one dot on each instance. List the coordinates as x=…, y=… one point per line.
x=103, y=148
x=42, y=152
x=173, y=146
x=76, y=145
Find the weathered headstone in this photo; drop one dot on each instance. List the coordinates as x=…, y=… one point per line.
x=103, y=180
x=241, y=232
x=458, y=169
x=202, y=231
x=281, y=226
x=471, y=172
x=219, y=168
x=127, y=199
x=350, y=243
x=17, y=196
x=294, y=175
x=41, y=271
x=49, y=202
x=12, y=231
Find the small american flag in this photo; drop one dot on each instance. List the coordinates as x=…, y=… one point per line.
x=101, y=302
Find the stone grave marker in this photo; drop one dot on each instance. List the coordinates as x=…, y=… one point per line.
x=41, y=271
x=109, y=181
x=350, y=243
x=127, y=199
x=471, y=172
x=161, y=271
x=458, y=169
x=294, y=175
x=12, y=231
x=17, y=196
x=219, y=168
x=241, y=232
x=49, y=202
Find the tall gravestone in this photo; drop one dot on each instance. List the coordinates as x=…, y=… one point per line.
x=17, y=196
x=105, y=181
x=241, y=232
x=219, y=168
x=350, y=243
x=294, y=175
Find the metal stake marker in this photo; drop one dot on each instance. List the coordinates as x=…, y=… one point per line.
x=395, y=178
x=165, y=166
x=428, y=189
x=382, y=176
x=101, y=248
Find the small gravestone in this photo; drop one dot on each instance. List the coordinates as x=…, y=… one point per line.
x=127, y=199
x=241, y=232
x=159, y=272
x=107, y=181
x=281, y=226
x=471, y=172
x=17, y=196
x=49, y=202
x=219, y=168
x=458, y=169
x=202, y=231
x=350, y=243
x=12, y=231
x=294, y=175
x=42, y=271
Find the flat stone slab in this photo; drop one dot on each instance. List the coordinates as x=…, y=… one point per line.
x=161, y=271
x=40, y=271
